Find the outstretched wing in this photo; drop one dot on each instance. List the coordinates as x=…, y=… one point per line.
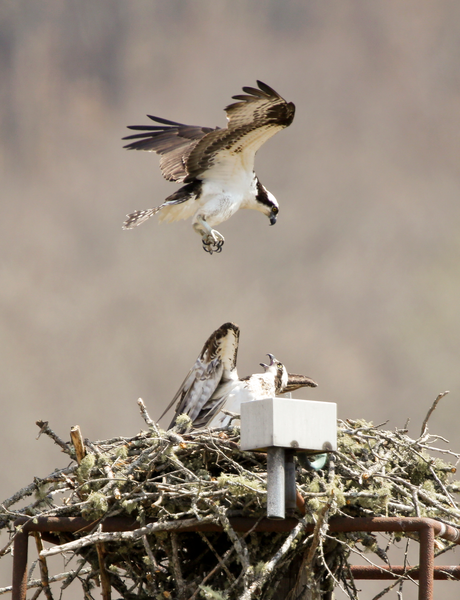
x=172, y=141
x=189, y=152
x=255, y=118
x=216, y=363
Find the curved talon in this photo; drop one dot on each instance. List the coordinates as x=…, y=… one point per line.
x=211, y=244
x=207, y=246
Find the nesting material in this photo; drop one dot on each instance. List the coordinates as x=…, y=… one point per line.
x=163, y=478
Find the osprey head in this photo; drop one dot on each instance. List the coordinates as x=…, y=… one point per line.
x=287, y=382
x=267, y=203
x=279, y=372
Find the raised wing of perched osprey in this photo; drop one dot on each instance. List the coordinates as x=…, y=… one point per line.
x=217, y=165
x=212, y=384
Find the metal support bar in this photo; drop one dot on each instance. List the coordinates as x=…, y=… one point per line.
x=426, y=562
x=244, y=524
x=276, y=478
x=440, y=572
x=427, y=529
x=20, y=550
x=290, y=487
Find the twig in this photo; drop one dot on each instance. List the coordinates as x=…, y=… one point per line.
x=430, y=412
x=37, y=594
x=270, y=565
x=146, y=417
x=176, y=567
x=416, y=504
x=45, y=428
x=33, y=583
x=43, y=567
x=33, y=487
x=233, y=415
x=320, y=522
x=119, y=536
x=219, y=559
x=238, y=542
x=151, y=556
x=105, y=578
x=225, y=559
x=112, y=484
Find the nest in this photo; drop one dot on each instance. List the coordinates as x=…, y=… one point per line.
x=165, y=479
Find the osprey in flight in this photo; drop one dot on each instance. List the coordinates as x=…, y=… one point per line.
x=212, y=384
x=217, y=165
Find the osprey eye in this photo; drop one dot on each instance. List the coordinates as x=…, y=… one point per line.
x=275, y=210
x=280, y=367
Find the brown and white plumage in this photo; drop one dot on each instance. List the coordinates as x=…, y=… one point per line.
x=212, y=384
x=217, y=165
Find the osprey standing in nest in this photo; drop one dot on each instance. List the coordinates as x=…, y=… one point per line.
x=217, y=165
x=212, y=384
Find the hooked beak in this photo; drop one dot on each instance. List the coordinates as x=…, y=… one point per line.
x=272, y=219
x=272, y=360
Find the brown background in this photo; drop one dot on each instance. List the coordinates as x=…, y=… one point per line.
x=357, y=285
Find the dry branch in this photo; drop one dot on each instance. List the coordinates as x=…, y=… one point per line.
x=104, y=576
x=77, y=441
x=424, y=429
x=45, y=428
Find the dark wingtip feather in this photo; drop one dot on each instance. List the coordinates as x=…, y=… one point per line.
x=136, y=136
x=131, y=146
x=254, y=92
x=264, y=91
x=146, y=127
x=164, y=121
x=267, y=89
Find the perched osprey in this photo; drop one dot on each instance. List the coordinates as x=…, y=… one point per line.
x=212, y=384
x=217, y=165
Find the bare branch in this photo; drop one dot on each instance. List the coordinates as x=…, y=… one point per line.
x=424, y=429
x=44, y=428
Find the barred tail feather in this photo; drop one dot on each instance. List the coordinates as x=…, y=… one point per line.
x=137, y=218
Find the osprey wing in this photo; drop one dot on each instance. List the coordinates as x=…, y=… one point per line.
x=216, y=363
x=197, y=388
x=172, y=141
x=224, y=394
x=254, y=119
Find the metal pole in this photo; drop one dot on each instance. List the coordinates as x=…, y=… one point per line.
x=441, y=572
x=276, y=483
x=426, y=562
x=290, y=488
x=20, y=550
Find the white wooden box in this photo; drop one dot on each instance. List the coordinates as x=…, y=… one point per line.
x=304, y=425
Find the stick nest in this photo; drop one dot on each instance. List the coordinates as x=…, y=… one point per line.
x=162, y=479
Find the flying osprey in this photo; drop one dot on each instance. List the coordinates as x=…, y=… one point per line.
x=212, y=384
x=217, y=165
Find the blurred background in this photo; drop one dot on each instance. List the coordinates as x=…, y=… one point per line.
x=357, y=285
